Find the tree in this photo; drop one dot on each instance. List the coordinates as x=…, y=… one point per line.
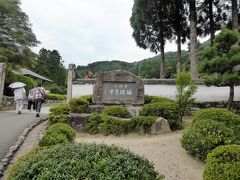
x=235, y=25
x=178, y=20
x=151, y=27
x=193, y=39
x=211, y=17
x=219, y=60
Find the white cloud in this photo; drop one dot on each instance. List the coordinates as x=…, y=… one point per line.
x=84, y=31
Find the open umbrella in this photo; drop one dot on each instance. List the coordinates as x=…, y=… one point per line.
x=16, y=85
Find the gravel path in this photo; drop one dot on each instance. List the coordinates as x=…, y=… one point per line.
x=164, y=151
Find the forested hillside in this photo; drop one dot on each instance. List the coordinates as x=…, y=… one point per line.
x=146, y=68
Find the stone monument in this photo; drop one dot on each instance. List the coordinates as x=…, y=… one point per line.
x=2, y=80
x=118, y=87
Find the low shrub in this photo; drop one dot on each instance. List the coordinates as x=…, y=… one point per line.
x=83, y=161
x=153, y=99
x=204, y=136
x=225, y=116
x=56, y=89
x=223, y=163
x=59, y=97
x=117, y=111
x=60, y=109
x=56, y=134
x=57, y=118
x=167, y=110
x=79, y=105
x=142, y=123
x=111, y=125
x=92, y=126
x=88, y=98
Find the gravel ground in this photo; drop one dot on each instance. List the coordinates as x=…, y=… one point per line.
x=165, y=151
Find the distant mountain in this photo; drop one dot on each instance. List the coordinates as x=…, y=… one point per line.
x=146, y=68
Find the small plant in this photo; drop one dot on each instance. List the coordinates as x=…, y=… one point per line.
x=79, y=105
x=92, y=126
x=223, y=163
x=117, y=111
x=206, y=135
x=167, y=110
x=83, y=161
x=185, y=90
x=56, y=134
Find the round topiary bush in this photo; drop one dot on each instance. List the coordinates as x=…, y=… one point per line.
x=225, y=116
x=56, y=134
x=82, y=161
x=167, y=110
x=117, y=111
x=206, y=135
x=79, y=105
x=153, y=99
x=223, y=163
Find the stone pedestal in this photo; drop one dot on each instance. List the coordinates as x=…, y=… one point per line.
x=2, y=80
x=78, y=121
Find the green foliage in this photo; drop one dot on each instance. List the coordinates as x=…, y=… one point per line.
x=153, y=99
x=56, y=89
x=106, y=125
x=167, y=110
x=185, y=90
x=83, y=161
x=57, y=118
x=111, y=125
x=79, y=105
x=225, y=116
x=52, y=96
x=30, y=83
x=206, y=135
x=56, y=134
x=60, y=109
x=88, y=98
x=117, y=111
x=223, y=163
x=93, y=123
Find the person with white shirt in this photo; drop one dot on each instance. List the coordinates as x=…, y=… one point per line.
x=19, y=96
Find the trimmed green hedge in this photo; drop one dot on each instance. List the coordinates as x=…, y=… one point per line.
x=56, y=134
x=106, y=125
x=79, y=105
x=117, y=111
x=206, y=135
x=88, y=98
x=59, y=97
x=225, y=116
x=83, y=161
x=57, y=118
x=167, y=110
x=223, y=163
x=153, y=99
x=60, y=109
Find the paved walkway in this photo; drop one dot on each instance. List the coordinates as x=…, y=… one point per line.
x=12, y=125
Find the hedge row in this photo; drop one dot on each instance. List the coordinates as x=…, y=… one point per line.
x=99, y=123
x=83, y=161
x=59, y=97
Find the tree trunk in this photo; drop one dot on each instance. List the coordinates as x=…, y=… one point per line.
x=234, y=15
x=162, y=60
x=179, y=53
x=231, y=97
x=193, y=40
x=212, y=28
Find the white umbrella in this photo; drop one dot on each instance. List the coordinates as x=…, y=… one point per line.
x=16, y=85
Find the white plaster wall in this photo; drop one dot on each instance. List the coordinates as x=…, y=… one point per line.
x=203, y=94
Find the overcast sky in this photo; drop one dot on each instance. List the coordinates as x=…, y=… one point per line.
x=85, y=31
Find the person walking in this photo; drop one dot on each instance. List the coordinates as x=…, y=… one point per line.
x=30, y=100
x=19, y=96
x=39, y=94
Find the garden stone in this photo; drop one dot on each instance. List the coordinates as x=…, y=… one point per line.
x=96, y=108
x=78, y=121
x=134, y=110
x=118, y=87
x=161, y=126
